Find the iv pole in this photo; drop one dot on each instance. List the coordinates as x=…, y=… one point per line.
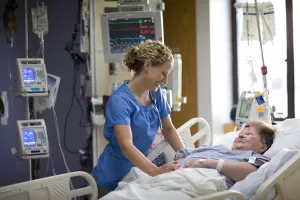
x=264, y=69
x=27, y=115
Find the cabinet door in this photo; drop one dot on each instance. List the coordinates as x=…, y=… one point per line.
x=180, y=36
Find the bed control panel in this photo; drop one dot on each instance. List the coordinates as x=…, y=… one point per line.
x=160, y=160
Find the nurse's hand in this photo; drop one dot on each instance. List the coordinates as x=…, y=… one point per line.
x=168, y=167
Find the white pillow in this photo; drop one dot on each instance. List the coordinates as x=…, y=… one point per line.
x=287, y=136
x=227, y=139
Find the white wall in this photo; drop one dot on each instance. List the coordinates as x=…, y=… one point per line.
x=203, y=60
x=214, y=62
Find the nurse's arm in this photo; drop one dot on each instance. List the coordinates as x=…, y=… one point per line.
x=171, y=134
x=124, y=138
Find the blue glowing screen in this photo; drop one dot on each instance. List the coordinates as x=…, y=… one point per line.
x=28, y=75
x=28, y=137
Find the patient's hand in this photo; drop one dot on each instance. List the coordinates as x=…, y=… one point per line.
x=179, y=160
x=195, y=163
x=168, y=167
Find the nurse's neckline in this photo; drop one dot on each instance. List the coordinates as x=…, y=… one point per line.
x=135, y=97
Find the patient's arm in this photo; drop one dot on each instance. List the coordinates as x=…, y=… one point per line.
x=236, y=171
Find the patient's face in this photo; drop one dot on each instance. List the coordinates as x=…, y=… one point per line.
x=249, y=139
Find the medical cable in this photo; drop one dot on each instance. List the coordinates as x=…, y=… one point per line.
x=268, y=27
x=77, y=98
x=79, y=103
x=58, y=139
x=52, y=165
x=259, y=33
x=59, y=145
x=156, y=109
x=247, y=14
x=67, y=116
x=75, y=76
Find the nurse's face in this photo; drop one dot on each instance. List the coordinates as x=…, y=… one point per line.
x=155, y=76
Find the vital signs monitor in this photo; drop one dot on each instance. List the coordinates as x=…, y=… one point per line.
x=32, y=77
x=120, y=30
x=32, y=139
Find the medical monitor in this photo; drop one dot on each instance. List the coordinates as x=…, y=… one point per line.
x=121, y=30
x=32, y=77
x=32, y=139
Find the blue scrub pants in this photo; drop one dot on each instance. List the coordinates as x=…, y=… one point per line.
x=101, y=191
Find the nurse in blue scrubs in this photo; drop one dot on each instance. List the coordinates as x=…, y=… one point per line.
x=134, y=114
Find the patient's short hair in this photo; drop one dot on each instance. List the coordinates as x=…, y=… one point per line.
x=266, y=131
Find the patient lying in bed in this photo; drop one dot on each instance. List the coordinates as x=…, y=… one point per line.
x=235, y=164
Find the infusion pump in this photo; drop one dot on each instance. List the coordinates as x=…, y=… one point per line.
x=252, y=106
x=32, y=77
x=32, y=139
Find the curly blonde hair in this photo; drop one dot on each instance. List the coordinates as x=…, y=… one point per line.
x=154, y=51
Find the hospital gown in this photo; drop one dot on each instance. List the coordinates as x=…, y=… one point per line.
x=218, y=152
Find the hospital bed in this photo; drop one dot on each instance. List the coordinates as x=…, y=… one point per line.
x=284, y=180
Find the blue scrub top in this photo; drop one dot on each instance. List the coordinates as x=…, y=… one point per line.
x=122, y=108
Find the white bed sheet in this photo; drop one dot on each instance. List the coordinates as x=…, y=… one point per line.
x=184, y=184
x=190, y=183
x=170, y=185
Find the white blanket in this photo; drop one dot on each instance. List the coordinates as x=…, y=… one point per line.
x=181, y=184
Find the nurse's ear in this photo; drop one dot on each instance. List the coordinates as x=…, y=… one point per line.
x=147, y=66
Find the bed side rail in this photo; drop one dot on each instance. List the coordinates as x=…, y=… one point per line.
x=286, y=181
x=203, y=134
x=223, y=195
x=54, y=187
x=185, y=134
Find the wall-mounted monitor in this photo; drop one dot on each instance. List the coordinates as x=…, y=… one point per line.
x=120, y=30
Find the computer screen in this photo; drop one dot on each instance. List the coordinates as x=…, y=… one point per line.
x=122, y=30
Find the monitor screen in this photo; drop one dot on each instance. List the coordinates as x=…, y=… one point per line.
x=124, y=33
x=121, y=30
x=243, y=109
x=29, y=137
x=28, y=75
